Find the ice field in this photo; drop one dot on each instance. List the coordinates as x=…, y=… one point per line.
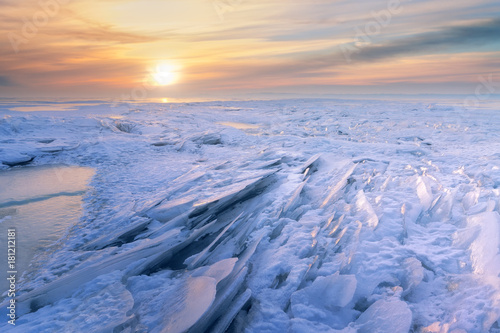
x=266, y=216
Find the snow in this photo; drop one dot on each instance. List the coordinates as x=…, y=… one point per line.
x=103, y=303
x=266, y=216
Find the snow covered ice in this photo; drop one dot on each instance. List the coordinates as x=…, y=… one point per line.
x=267, y=216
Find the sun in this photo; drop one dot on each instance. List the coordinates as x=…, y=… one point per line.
x=165, y=74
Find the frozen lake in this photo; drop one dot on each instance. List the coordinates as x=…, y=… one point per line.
x=40, y=203
x=259, y=216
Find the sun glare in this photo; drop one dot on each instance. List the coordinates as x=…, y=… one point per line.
x=165, y=74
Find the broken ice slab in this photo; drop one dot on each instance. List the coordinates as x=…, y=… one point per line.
x=485, y=254
x=328, y=221
x=195, y=213
x=268, y=164
x=413, y=274
x=199, y=259
x=365, y=210
x=424, y=192
x=13, y=158
x=222, y=302
x=336, y=225
x=207, y=139
x=326, y=292
x=294, y=199
x=470, y=199
x=167, y=210
x=229, y=276
x=232, y=194
x=143, y=258
x=163, y=143
x=310, y=164
x=124, y=235
x=482, y=207
x=441, y=207
x=352, y=247
x=385, y=316
x=226, y=319
x=179, y=185
x=46, y=141
x=195, y=297
x=189, y=303
x=339, y=184
x=54, y=148
x=219, y=271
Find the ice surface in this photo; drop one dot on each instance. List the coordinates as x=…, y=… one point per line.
x=267, y=216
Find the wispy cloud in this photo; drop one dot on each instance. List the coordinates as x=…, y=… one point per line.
x=99, y=47
x=5, y=81
x=447, y=39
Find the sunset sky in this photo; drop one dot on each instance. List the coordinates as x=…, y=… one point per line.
x=193, y=48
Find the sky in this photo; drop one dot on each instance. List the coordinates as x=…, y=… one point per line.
x=242, y=48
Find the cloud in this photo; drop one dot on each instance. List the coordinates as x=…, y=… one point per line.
x=110, y=46
x=445, y=39
x=5, y=81
x=104, y=34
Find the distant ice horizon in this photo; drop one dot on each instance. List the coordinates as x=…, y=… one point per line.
x=48, y=104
